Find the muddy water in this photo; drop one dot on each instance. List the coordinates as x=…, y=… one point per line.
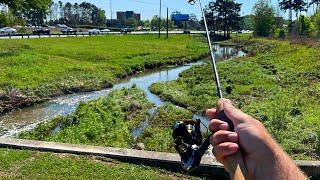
x=27, y=118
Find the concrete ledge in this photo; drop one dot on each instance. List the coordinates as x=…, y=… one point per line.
x=209, y=166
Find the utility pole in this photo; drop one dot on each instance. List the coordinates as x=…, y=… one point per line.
x=167, y=22
x=111, y=10
x=160, y=20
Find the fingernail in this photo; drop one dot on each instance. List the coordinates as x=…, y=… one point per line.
x=227, y=103
x=233, y=136
x=233, y=147
x=224, y=127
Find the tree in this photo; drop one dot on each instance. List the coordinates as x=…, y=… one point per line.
x=247, y=22
x=299, y=6
x=307, y=26
x=287, y=5
x=227, y=12
x=131, y=22
x=315, y=3
x=154, y=22
x=264, y=18
x=194, y=23
x=293, y=5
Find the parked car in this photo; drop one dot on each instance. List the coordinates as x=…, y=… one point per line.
x=42, y=31
x=8, y=31
x=105, y=30
x=61, y=26
x=94, y=31
x=69, y=30
x=126, y=30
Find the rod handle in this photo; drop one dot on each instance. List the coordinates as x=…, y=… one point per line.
x=235, y=163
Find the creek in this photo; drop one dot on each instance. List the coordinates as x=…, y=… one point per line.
x=27, y=118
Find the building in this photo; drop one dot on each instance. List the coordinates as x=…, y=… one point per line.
x=128, y=15
x=137, y=16
x=121, y=16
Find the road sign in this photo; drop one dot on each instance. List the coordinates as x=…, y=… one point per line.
x=180, y=17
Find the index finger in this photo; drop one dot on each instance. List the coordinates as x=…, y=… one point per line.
x=212, y=114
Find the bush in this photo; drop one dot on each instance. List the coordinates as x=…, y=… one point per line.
x=264, y=19
x=22, y=30
x=280, y=33
x=306, y=26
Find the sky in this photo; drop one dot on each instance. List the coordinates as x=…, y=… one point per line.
x=149, y=8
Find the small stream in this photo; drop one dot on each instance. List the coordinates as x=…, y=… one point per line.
x=27, y=118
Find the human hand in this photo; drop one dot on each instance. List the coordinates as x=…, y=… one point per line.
x=262, y=156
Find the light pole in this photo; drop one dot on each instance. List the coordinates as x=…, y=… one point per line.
x=111, y=9
x=160, y=19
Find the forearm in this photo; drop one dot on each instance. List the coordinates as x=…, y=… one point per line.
x=278, y=166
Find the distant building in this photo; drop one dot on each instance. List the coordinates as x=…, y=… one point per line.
x=128, y=15
x=121, y=16
x=137, y=17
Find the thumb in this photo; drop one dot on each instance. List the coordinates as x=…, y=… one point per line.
x=234, y=114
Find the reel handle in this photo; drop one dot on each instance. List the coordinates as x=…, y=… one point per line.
x=235, y=163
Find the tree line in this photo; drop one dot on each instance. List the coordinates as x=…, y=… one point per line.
x=40, y=12
x=224, y=15
x=267, y=24
x=33, y=11
x=76, y=14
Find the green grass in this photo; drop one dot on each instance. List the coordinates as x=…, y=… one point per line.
x=109, y=122
x=41, y=68
x=278, y=84
x=158, y=137
x=32, y=165
x=104, y=122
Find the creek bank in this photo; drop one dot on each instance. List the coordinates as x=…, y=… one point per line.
x=43, y=69
x=278, y=84
x=15, y=99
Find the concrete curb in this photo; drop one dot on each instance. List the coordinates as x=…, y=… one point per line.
x=209, y=166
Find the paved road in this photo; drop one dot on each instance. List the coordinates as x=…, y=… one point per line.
x=85, y=34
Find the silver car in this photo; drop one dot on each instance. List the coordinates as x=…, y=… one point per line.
x=94, y=31
x=7, y=31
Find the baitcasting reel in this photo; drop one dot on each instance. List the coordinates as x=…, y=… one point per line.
x=188, y=142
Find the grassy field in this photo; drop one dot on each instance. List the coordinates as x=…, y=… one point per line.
x=32, y=165
x=279, y=84
x=32, y=70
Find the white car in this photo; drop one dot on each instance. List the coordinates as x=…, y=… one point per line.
x=105, y=30
x=8, y=31
x=94, y=31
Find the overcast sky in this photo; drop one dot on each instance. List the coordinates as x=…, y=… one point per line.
x=149, y=8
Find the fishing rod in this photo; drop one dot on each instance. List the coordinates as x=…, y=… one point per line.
x=187, y=134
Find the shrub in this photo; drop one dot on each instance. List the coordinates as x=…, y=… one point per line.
x=280, y=33
x=306, y=26
x=264, y=19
